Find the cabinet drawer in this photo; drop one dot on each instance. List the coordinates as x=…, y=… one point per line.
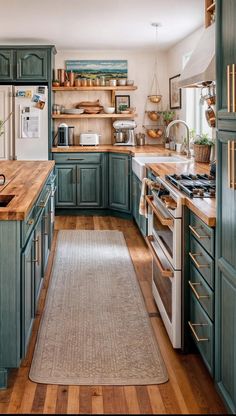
x=201, y=328
x=201, y=291
x=77, y=157
x=203, y=234
x=202, y=261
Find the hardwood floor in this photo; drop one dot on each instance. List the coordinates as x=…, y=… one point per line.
x=190, y=389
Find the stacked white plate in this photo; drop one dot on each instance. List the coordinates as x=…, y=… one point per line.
x=73, y=111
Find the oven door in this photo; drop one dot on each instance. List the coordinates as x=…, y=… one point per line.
x=166, y=289
x=166, y=230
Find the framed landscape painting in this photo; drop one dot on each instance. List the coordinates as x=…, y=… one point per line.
x=97, y=68
x=174, y=92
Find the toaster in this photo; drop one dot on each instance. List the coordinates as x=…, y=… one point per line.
x=89, y=139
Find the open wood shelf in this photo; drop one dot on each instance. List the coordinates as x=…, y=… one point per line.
x=118, y=88
x=99, y=115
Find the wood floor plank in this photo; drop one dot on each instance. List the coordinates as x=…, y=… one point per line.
x=156, y=401
x=50, y=399
x=28, y=397
x=18, y=390
x=170, y=400
x=114, y=400
x=97, y=400
x=39, y=399
x=73, y=400
x=62, y=399
x=131, y=400
x=85, y=400
x=144, y=400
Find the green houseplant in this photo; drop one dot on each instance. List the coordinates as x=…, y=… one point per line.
x=168, y=116
x=202, y=145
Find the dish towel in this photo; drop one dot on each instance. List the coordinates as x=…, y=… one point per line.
x=146, y=184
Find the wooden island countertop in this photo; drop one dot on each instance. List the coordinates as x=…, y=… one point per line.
x=24, y=180
x=204, y=208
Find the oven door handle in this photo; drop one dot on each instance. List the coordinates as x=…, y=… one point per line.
x=164, y=221
x=164, y=272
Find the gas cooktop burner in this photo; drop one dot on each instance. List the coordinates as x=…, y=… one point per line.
x=195, y=186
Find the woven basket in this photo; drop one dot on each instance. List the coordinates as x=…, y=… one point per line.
x=202, y=153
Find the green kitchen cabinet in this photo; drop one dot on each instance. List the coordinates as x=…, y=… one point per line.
x=225, y=55
x=136, y=193
x=21, y=275
x=225, y=293
x=81, y=180
x=28, y=290
x=226, y=272
x=66, y=185
x=89, y=189
x=27, y=64
x=119, y=182
x=6, y=66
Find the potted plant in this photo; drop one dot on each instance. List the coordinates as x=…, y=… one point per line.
x=168, y=116
x=202, y=145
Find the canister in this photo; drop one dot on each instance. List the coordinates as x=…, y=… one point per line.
x=71, y=135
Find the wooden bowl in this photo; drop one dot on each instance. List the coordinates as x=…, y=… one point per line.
x=155, y=98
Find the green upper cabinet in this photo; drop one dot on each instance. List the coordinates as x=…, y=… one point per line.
x=226, y=55
x=28, y=64
x=31, y=65
x=119, y=182
x=66, y=185
x=6, y=65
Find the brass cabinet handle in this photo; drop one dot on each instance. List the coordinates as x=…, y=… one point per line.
x=164, y=221
x=75, y=158
x=199, y=266
x=193, y=229
x=194, y=332
x=36, y=260
x=43, y=203
x=231, y=92
x=164, y=272
x=192, y=285
x=231, y=164
x=30, y=221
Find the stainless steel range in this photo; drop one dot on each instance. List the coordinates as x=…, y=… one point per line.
x=195, y=186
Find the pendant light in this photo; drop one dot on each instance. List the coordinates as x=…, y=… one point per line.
x=156, y=97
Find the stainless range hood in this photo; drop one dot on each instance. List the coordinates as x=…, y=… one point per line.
x=200, y=68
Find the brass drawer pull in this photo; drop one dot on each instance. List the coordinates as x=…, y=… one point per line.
x=192, y=285
x=193, y=229
x=194, y=332
x=74, y=158
x=199, y=266
x=43, y=203
x=30, y=221
x=37, y=259
x=164, y=221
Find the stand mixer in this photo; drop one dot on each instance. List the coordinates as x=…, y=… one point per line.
x=124, y=132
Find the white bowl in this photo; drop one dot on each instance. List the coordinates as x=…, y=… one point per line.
x=122, y=81
x=109, y=110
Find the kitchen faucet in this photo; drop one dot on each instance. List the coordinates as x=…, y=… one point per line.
x=188, y=134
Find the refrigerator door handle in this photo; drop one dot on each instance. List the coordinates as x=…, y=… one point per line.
x=13, y=136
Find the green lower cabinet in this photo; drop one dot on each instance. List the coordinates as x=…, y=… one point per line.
x=38, y=259
x=28, y=285
x=89, y=186
x=119, y=182
x=66, y=186
x=136, y=193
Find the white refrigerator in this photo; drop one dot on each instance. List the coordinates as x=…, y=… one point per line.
x=25, y=132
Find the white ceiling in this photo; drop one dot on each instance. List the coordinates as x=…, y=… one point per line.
x=99, y=24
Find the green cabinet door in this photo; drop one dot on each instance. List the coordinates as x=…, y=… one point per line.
x=66, y=186
x=6, y=65
x=226, y=274
x=31, y=65
x=46, y=238
x=225, y=55
x=27, y=303
x=89, y=189
x=119, y=182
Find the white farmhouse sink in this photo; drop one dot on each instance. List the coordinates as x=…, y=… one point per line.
x=138, y=163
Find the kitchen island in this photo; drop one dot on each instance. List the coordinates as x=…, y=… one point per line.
x=26, y=231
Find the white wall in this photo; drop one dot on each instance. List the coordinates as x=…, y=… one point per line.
x=140, y=69
x=175, y=66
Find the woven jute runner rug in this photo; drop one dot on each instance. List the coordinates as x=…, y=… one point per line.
x=95, y=329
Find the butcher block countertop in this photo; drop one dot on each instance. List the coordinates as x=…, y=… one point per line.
x=204, y=208
x=131, y=150
x=24, y=180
